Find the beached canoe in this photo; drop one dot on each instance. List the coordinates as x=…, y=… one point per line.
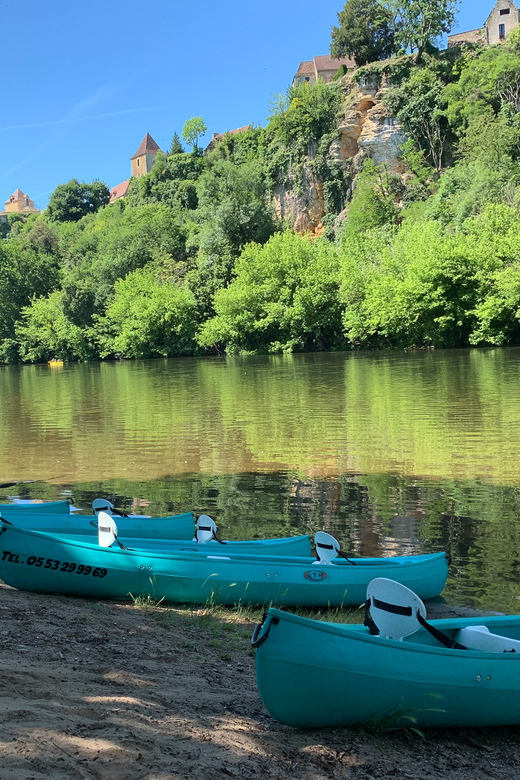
x=30, y=560
x=315, y=674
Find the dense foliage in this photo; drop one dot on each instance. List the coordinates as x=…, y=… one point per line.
x=196, y=258
x=371, y=30
x=365, y=32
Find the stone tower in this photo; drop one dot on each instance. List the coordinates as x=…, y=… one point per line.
x=143, y=160
x=20, y=203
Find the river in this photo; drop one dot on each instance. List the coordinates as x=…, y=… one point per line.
x=393, y=453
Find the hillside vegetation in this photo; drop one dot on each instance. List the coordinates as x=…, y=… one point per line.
x=195, y=259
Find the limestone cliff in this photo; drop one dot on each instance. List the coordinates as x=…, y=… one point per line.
x=366, y=129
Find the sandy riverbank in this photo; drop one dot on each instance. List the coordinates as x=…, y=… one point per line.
x=114, y=691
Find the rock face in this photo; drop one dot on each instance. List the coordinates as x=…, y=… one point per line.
x=381, y=139
x=302, y=208
x=366, y=130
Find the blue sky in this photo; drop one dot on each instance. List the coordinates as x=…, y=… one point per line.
x=83, y=81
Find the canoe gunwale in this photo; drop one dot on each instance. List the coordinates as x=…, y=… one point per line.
x=360, y=633
x=397, y=561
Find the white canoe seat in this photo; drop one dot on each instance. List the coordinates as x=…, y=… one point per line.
x=327, y=548
x=481, y=638
x=205, y=529
x=394, y=611
x=107, y=530
x=102, y=505
x=394, y=608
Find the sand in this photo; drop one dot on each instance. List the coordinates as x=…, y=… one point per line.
x=114, y=691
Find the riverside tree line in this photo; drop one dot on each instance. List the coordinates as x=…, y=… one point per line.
x=194, y=259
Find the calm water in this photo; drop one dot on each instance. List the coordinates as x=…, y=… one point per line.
x=393, y=453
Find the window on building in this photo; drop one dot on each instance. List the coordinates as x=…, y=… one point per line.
x=504, y=11
x=501, y=31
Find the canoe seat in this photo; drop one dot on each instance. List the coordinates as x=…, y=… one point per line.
x=327, y=548
x=393, y=608
x=481, y=638
x=205, y=530
x=107, y=531
x=102, y=505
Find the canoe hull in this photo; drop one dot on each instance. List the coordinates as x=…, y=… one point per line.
x=43, y=507
x=42, y=563
x=174, y=527
x=328, y=675
x=297, y=546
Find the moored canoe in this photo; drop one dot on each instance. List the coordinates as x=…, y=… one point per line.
x=155, y=534
x=174, y=527
x=37, y=507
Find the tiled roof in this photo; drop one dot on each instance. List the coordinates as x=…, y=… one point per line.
x=306, y=68
x=326, y=62
x=17, y=195
x=219, y=136
x=147, y=146
x=119, y=191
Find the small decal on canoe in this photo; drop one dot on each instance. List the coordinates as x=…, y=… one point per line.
x=315, y=576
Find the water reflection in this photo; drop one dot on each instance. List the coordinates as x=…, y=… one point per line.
x=393, y=453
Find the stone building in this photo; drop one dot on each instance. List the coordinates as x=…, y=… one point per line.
x=219, y=136
x=502, y=20
x=140, y=164
x=321, y=67
x=18, y=203
x=142, y=161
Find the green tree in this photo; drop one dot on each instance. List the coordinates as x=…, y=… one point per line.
x=372, y=204
x=149, y=316
x=171, y=184
x=25, y=271
x=74, y=200
x=44, y=332
x=192, y=129
x=419, y=23
x=365, y=32
x=233, y=211
x=176, y=146
x=418, y=286
x=419, y=105
x=284, y=298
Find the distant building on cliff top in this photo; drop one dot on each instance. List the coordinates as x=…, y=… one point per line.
x=322, y=67
x=18, y=203
x=141, y=163
x=219, y=136
x=502, y=20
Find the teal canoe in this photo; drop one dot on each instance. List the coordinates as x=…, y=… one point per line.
x=30, y=560
x=174, y=527
x=155, y=534
x=38, y=507
x=315, y=674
